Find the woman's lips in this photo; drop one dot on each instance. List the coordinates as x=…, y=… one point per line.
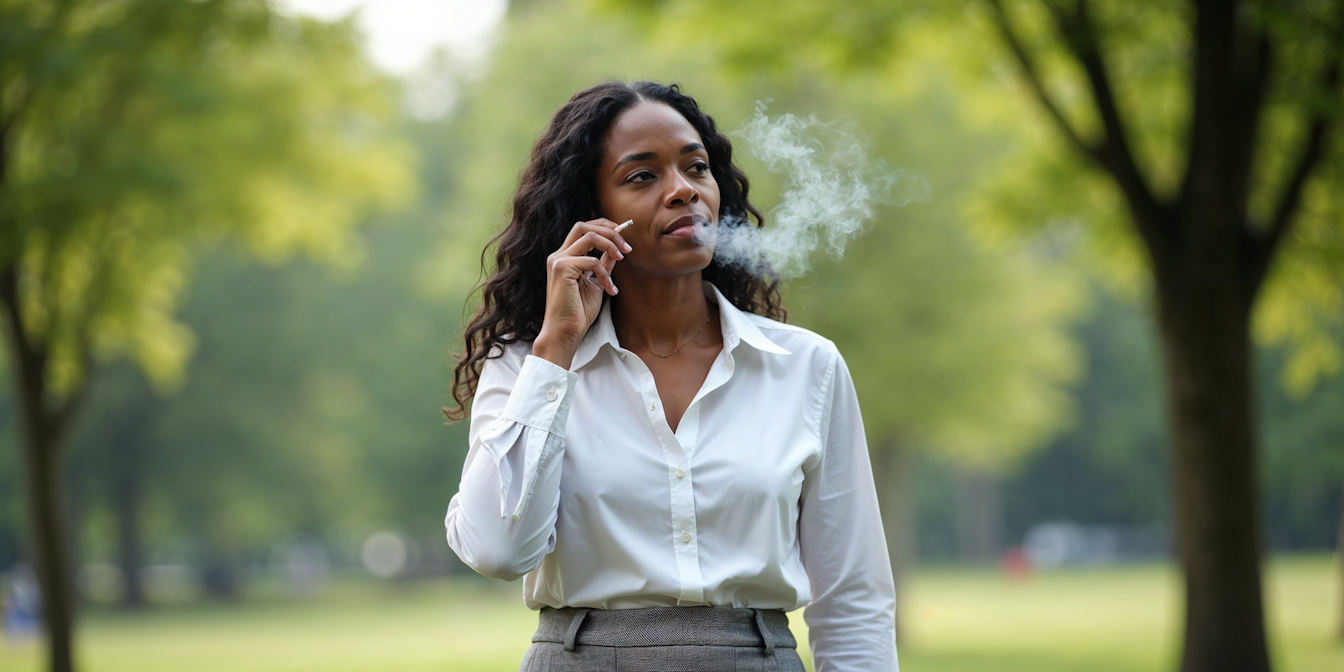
x=684, y=226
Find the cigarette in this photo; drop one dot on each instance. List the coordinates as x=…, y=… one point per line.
x=622, y=227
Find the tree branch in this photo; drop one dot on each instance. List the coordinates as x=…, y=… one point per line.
x=1030, y=72
x=9, y=298
x=1079, y=34
x=59, y=12
x=29, y=361
x=1257, y=86
x=1313, y=148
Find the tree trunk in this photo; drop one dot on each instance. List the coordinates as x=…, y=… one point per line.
x=979, y=515
x=51, y=555
x=1203, y=314
x=127, y=486
x=43, y=431
x=893, y=470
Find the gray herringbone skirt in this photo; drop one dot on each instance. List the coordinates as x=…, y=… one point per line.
x=663, y=639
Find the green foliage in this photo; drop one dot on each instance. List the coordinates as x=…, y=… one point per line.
x=1303, y=308
x=756, y=35
x=135, y=129
x=312, y=407
x=312, y=404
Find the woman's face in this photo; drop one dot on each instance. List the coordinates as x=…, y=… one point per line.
x=655, y=171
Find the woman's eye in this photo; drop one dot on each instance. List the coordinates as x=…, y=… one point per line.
x=641, y=176
x=699, y=168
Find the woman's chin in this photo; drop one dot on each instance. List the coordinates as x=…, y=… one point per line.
x=697, y=259
x=674, y=263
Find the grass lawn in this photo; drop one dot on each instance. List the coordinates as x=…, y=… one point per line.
x=956, y=621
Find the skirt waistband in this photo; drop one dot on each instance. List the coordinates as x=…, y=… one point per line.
x=666, y=626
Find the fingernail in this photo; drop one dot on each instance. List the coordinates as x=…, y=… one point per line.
x=615, y=291
x=627, y=247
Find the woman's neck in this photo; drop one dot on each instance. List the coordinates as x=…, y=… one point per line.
x=659, y=314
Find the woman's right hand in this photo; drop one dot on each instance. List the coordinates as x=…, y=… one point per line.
x=572, y=300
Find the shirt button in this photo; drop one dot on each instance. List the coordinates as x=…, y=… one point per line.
x=680, y=472
x=622, y=355
x=550, y=395
x=685, y=536
x=653, y=407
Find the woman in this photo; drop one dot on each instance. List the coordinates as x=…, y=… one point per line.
x=668, y=468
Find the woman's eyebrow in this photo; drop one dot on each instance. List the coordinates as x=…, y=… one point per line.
x=645, y=156
x=642, y=156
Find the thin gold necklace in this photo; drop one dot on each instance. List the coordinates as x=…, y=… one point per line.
x=697, y=335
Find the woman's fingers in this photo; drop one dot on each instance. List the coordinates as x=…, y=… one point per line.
x=601, y=226
x=572, y=260
x=594, y=266
x=594, y=241
x=567, y=267
x=608, y=261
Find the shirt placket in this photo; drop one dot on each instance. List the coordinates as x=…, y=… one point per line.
x=676, y=452
x=678, y=448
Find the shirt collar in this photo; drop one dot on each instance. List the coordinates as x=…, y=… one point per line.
x=737, y=328
x=601, y=333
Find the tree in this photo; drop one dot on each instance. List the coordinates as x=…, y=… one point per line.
x=311, y=401
x=1209, y=236
x=129, y=131
x=1210, y=125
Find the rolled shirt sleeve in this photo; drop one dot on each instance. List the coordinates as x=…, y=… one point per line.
x=501, y=522
x=851, y=618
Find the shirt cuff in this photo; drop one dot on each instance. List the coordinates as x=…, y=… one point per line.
x=541, y=396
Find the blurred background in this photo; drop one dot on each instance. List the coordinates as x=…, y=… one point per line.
x=241, y=238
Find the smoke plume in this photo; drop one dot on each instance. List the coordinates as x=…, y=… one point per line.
x=830, y=192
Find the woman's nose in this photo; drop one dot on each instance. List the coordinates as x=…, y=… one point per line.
x=682, y=192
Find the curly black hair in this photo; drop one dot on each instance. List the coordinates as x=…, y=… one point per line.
x=558, y=188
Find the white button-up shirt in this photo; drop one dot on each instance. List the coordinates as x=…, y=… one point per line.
x=762, y=498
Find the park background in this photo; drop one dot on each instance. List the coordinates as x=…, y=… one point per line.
x=258, y=468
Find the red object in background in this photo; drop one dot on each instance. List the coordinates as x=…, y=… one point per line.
x=1015, y=564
